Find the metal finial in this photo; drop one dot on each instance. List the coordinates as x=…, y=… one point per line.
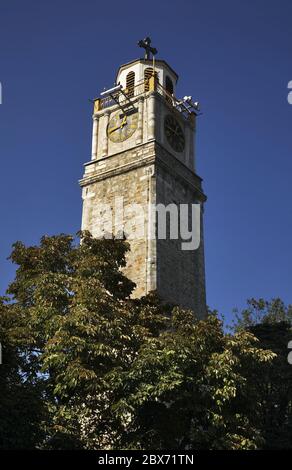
x=145, y=43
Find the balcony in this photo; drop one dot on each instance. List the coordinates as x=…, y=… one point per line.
x=127, y=96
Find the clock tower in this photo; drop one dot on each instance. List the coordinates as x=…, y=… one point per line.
x=143, y=166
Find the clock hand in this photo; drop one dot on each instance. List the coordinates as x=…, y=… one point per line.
x=170, y=128
x=173, y=130
x=120, y=126
x=114, y=129
x=124, y=121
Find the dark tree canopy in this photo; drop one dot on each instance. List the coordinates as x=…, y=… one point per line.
x=271, y=323
x=95, y=369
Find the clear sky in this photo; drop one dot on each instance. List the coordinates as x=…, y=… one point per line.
x=234, y=56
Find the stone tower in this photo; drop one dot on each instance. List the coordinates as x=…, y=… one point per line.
x=142, y=156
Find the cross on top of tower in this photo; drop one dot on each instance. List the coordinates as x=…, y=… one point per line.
x=145, y=43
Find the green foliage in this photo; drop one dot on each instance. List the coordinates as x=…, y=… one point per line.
x=192, y=387
x=262, y=312
x=103, y=371
x=21, y=406
x=271, y=323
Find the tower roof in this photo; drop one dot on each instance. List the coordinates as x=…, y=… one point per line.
x=147, y=62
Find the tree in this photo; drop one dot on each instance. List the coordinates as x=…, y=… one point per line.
x=271, y=323
x=21, y=409
x=77, y=329
x=192, y=388
x=262, y=312
x=111, y=372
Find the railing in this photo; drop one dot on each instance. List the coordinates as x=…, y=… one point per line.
x=139, y=89
x=168, y=96
x=120, y=97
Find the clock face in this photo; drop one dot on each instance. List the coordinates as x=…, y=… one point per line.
x=122, y=126
x=174, y=133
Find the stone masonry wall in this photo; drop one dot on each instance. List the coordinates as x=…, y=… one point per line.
x=143, y=175
x=125, y=178
x=180, y=273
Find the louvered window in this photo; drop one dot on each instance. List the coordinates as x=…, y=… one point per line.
x=169, y=85
x=130, y=84
x=147, y=74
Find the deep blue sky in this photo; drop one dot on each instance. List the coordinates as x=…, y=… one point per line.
x=234, y=56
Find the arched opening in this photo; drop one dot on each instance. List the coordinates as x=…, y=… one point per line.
x=130, y=83
x=147, y=75
x=168, y=85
